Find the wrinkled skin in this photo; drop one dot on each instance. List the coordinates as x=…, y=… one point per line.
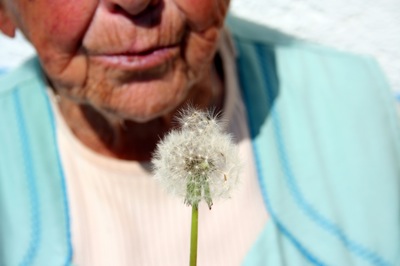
x=122, y=67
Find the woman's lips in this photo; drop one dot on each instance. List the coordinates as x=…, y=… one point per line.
x=142, y=61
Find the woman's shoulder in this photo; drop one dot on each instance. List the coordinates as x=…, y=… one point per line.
x=24, y=75
x=245, y=32
x=302, y=67
x=251, y=33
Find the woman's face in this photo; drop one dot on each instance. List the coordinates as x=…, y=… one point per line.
x=137, y=59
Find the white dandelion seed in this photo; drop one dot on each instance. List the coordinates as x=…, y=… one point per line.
x=201, y=156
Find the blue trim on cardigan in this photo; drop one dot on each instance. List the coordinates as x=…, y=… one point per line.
x=31, y=178
x=63, y=182
x=307, y=254
x=312, y=213
x=278, y=223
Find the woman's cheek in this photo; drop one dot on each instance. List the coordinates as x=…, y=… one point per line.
x=67, y=24
x=202, y=47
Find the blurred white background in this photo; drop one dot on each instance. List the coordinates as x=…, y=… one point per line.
x=361, y=26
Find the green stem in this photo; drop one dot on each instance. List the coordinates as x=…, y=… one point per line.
x=193, y=235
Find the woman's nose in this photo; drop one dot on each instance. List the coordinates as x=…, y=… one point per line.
x=131, y=7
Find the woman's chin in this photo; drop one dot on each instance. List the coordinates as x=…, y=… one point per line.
x=144, y=107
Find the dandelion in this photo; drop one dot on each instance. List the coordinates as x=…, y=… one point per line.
x=197, y=162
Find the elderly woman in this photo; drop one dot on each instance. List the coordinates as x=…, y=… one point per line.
x=80, y=122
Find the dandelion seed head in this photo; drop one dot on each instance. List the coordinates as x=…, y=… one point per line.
x=193, y=161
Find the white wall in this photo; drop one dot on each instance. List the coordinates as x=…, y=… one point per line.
x=361, y=26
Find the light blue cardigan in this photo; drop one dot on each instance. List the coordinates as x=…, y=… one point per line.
x=326, y=140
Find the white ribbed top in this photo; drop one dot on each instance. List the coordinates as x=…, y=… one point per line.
x=121, y=216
